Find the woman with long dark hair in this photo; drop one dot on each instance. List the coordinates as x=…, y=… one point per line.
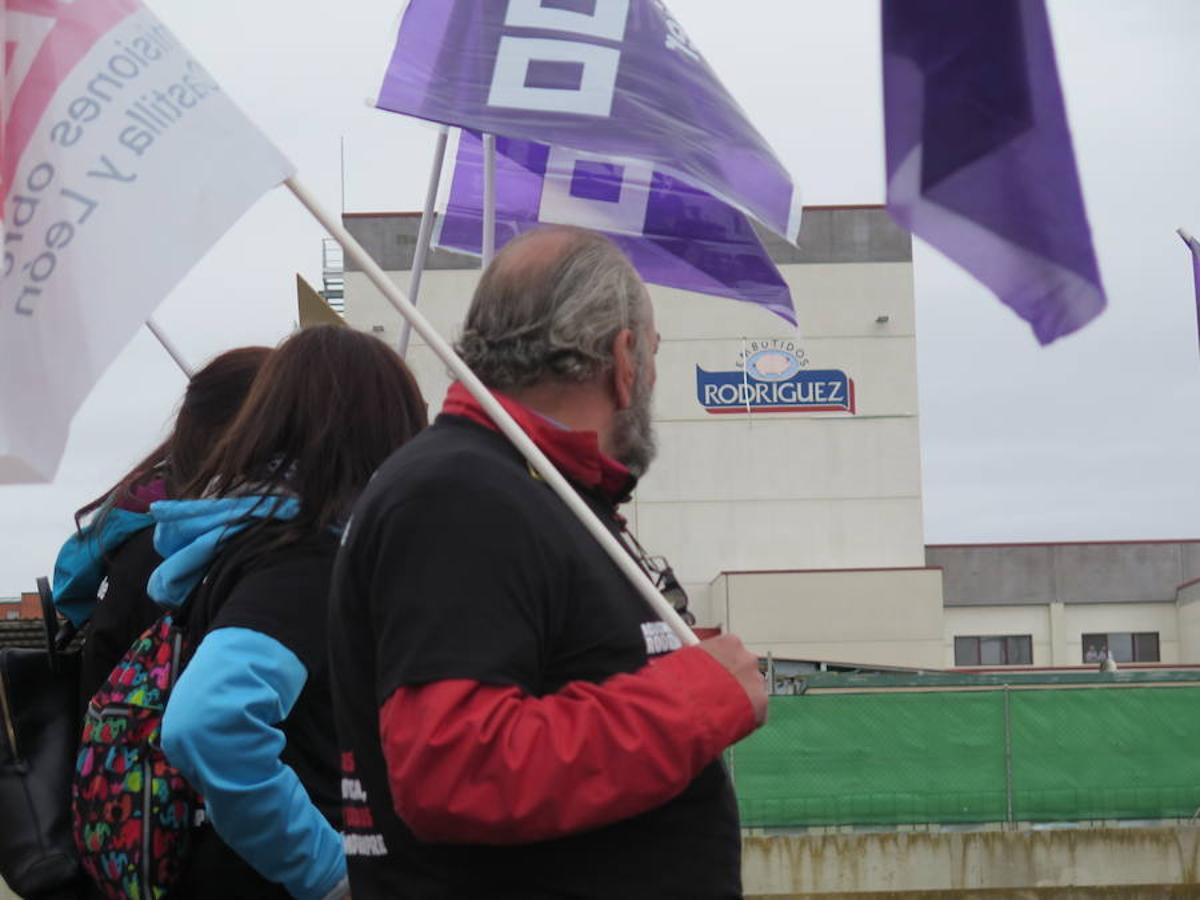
x=111, y=555
x=249, y=554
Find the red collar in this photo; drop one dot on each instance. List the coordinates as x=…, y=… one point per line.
x=574, y=453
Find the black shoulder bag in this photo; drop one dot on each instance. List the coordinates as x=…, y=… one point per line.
x=39, y=734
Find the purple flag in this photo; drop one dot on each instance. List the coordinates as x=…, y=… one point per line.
x=1194, y=246
x=614, y=77
x=979, y=156
x=673, y=234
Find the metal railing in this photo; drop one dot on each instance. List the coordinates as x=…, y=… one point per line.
x=333, y=275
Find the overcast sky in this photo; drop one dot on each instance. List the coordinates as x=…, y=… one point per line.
x=1092, y=438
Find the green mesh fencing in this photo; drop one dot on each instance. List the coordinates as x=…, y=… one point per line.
x=894, y=758
x=1106, y=754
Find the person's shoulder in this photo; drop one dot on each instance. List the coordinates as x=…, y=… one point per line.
x=136, y=553
x=452, y=458
x=304, y=566
x=455, y=475
x=282, y=593
x=139, y=543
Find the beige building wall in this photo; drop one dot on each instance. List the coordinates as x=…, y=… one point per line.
x=444, y=298
x=884, y=617
x=768, y=491
x=1189, y=623
x=988, y=621
x=1117, y=617
x=1056, y=629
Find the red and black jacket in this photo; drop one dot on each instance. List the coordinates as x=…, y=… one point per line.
x=505, y=730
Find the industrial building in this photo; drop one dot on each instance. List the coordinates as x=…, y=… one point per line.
x=1070, y=604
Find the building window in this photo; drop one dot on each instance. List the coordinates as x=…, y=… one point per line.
x=1140, y=646
x=994, y=650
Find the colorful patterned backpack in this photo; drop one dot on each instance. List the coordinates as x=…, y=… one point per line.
x=132, y=811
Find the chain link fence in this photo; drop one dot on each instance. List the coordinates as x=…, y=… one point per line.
x=901, y=757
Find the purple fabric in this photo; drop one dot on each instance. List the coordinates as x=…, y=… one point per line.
x=597, y=181
x=1194, y=246
x=979, y=156
x=618, y=78
x=560, y=76
x=1196, y=267
x=673, y=234
x=142, y=495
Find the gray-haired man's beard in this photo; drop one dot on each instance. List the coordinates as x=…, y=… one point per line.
x=633, y=430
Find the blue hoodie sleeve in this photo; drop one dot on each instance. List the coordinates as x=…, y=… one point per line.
x=219, y=731
x=80, y=566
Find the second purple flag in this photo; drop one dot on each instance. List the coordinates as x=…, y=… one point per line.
x=979, y=156
x=674, y=235
x=614, y=77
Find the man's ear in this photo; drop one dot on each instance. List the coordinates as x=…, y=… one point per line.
x=624, y=368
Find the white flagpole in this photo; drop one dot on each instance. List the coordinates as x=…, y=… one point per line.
x=424, y=235
x=342, y=163
x=170, y=347
x=496, y=412
x=489, y=199
x=746, y=381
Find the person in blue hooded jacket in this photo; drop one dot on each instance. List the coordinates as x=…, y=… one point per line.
x=248, y=554
x=102, y=570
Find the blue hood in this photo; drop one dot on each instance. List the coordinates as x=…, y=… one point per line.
x=189, y=534
x=80, y=567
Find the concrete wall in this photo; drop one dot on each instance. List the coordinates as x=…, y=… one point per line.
x=887, y=617
x=1142, y=572
x=1126, y=863
x=1111, y=862
x=760, y=491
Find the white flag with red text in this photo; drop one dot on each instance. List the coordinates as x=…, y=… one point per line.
x=123, y=162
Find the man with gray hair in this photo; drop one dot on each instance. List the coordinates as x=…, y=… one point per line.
x=515, y=721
